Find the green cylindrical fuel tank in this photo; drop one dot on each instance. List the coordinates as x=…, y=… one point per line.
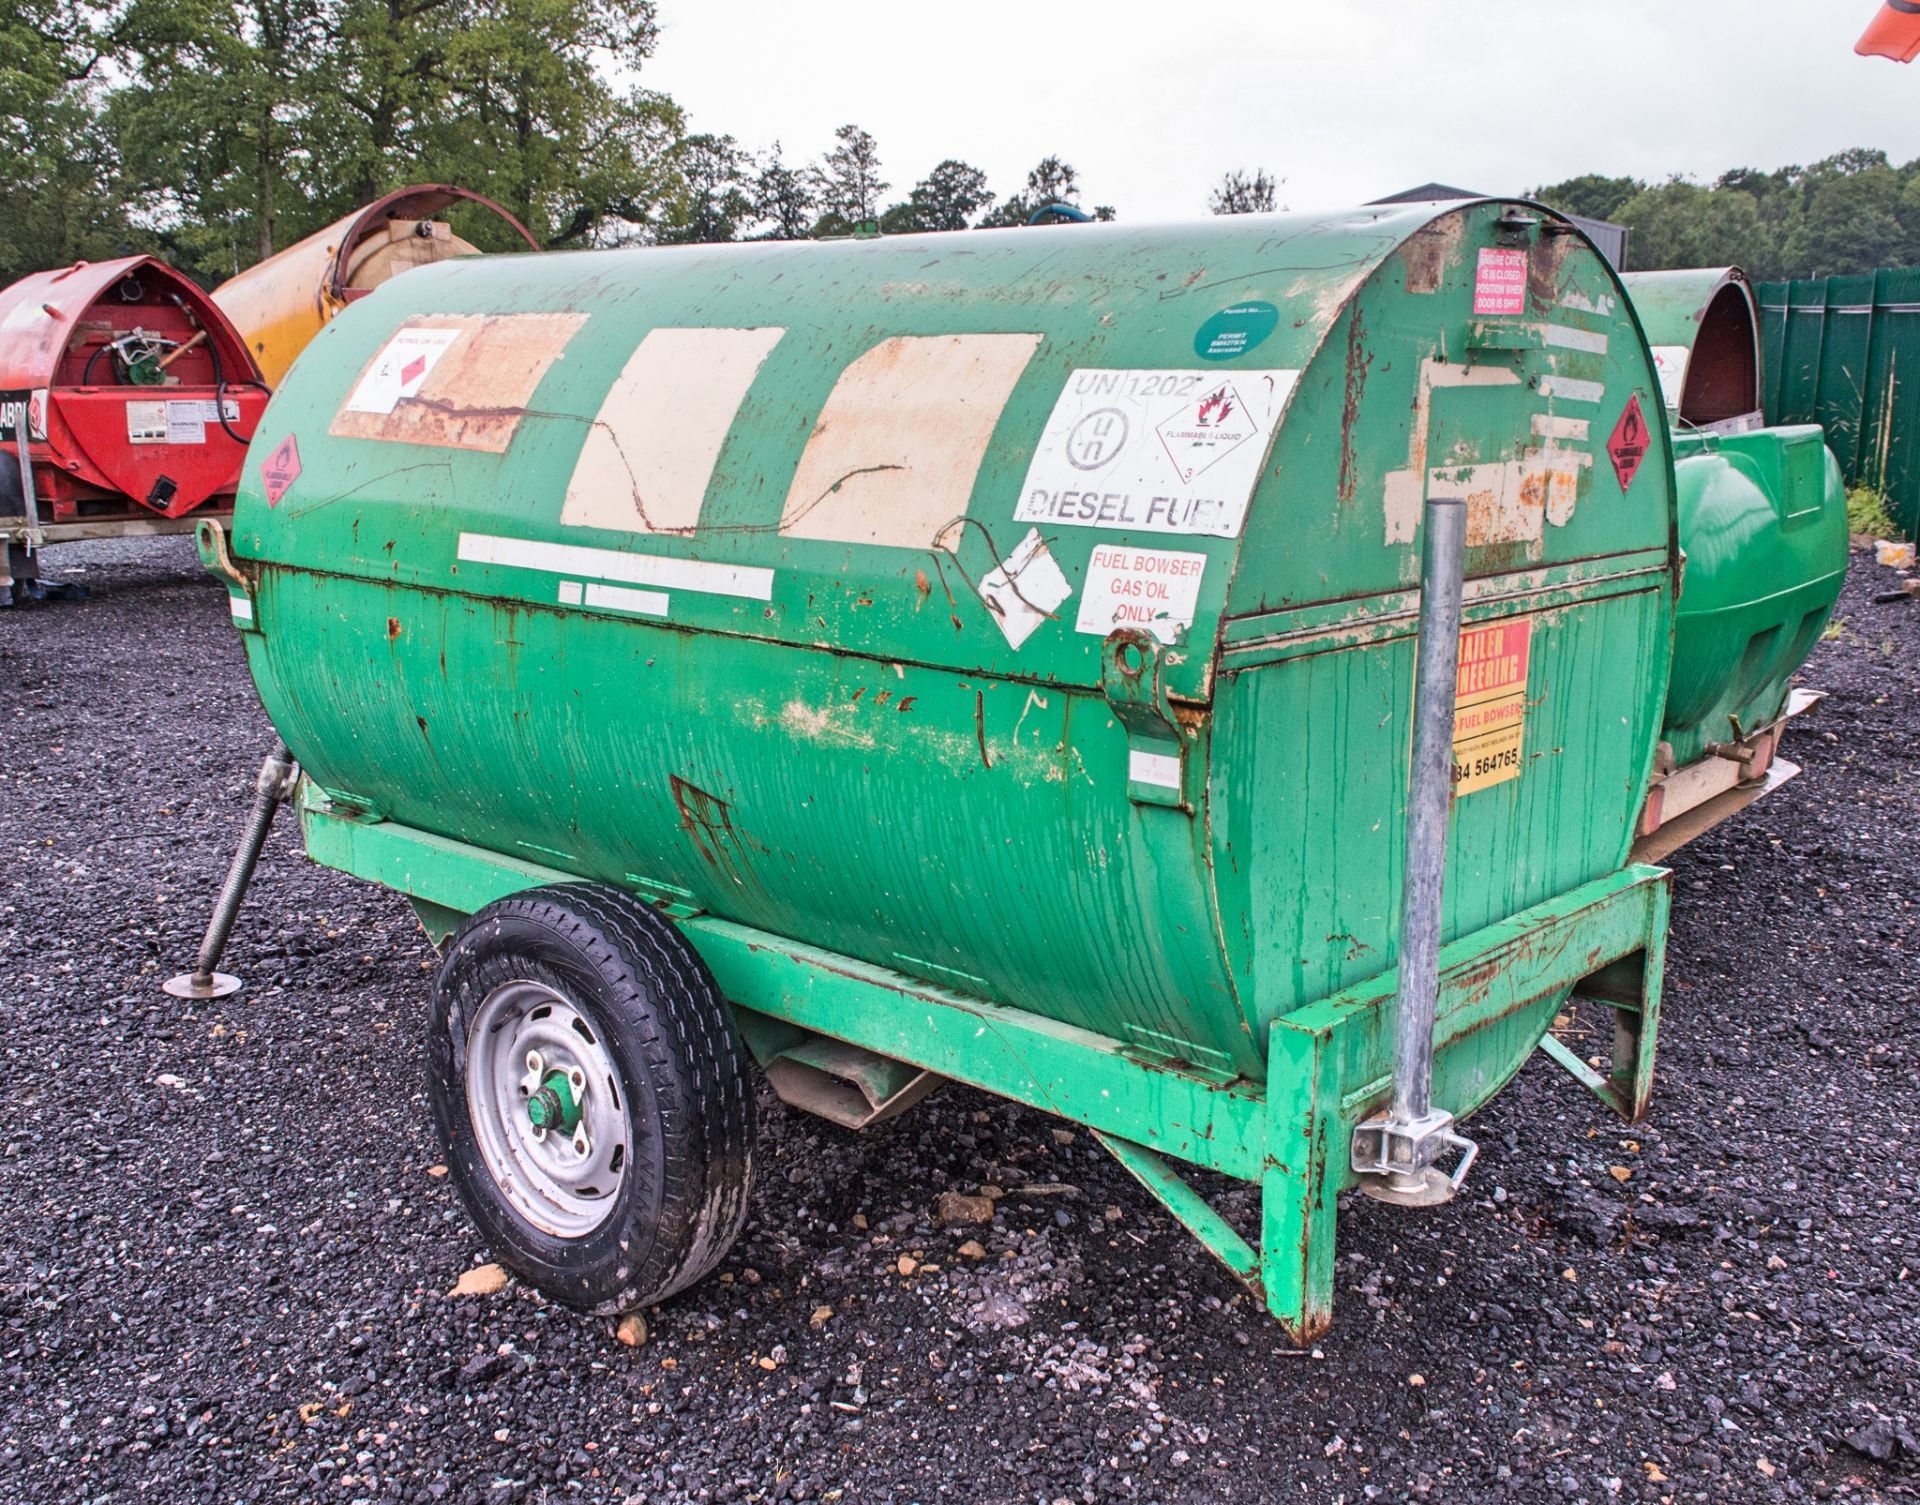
x=1763, y=521
x=1028, y=612
x=1763, y=513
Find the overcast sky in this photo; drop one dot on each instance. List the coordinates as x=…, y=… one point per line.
x=1346, y=100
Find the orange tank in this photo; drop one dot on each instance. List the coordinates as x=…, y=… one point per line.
x=284, y=301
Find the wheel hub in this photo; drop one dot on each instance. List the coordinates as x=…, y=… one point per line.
x=546, y=1108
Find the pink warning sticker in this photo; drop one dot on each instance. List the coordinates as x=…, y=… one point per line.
x=1500, y=290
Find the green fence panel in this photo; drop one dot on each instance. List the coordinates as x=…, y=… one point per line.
x=1843, y=352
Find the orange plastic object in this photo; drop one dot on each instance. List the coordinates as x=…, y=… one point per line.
x=1895, y=32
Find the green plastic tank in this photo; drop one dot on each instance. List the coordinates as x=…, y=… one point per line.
x=1763, y=524
x=991, y=656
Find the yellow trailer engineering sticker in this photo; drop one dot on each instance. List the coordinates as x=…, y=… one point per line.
x=1490, y=704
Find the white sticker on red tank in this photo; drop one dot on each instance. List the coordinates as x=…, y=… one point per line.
x=1154, y=451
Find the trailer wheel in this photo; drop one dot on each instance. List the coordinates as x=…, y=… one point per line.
x=592, y=1095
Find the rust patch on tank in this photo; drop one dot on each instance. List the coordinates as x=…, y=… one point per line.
x=1359, y=362
x=1430, y=252
x=708, y=819
x=1545, y=263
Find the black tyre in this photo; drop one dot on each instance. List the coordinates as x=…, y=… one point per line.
x=592, y=1095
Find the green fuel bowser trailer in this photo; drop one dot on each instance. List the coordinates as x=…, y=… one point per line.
x=1201, y=681
x=1763, y=532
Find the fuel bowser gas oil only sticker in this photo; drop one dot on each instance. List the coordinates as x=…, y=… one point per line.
x=1154, y=451
x=1490, y=704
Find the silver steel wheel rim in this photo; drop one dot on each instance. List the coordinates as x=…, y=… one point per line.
x=563, y=1184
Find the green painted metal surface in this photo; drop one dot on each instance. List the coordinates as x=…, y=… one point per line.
x=1840, y=352
x=835, y=739
x=996, y=651
x=1328, y=1066
x=1763, y=518
x=1761, y=513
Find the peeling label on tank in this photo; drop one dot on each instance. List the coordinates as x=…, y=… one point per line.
x=1512, y=501
x=894, y=454
x=1154, y=451
x=1500, y=285
x=1153, y=589
x=1572, y=389
x=1671, y=362
x=1566, y=337
x=455, y=381
x=1547, y=426
x=648, y=459
x=1490, y=704
x=400, y=369
x=1024, y=589
x=1406, y=490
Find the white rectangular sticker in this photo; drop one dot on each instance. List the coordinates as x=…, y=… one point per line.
x=146, y=423
x=400, y=368
x=1154, y=451
x=620, y=598
x=187, y=422
x=1161, y=769
x=1671, y=362
x=1152, y=589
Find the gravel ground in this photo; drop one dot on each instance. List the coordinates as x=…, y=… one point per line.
x=226, y=1247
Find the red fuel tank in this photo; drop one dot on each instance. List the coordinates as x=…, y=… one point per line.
x=136, y=395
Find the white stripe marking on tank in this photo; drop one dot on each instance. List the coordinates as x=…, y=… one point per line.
x=1572, y=389
x=700, y=575
x=571, y=592
x=1546, y=426
x=1153, y=768
x=619, y=598
x=1565, y=337
x=242, y=608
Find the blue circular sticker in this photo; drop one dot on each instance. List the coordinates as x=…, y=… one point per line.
x=1235, y=330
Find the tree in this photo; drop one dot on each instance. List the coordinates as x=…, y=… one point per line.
x=782, y=199
x=58, y=201
x=532, y=122
x=1851, y=223
x=1591, y=196
x=211, y=124
x=847, y=185
x=244, y=124
x=1681, y=224
x=1237, y=193
x=714, y=204
x=945, y=199
x=1052, y=181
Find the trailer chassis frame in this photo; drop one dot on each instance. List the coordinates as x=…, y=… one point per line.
x=1329, y=1063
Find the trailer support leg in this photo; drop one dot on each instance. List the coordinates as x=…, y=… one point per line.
x=274, y=784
